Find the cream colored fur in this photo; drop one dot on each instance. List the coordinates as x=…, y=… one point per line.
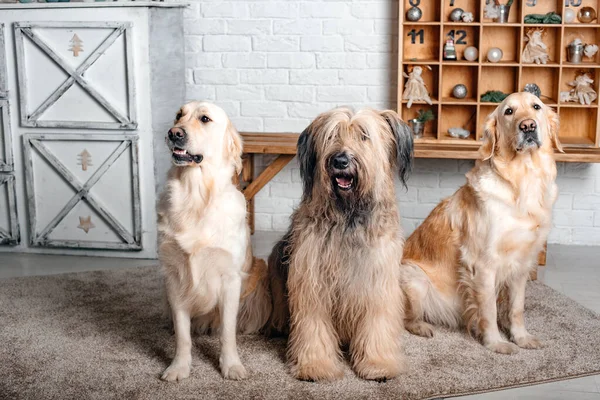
x=205, y=243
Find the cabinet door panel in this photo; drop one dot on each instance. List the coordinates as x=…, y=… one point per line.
x=76, y=75
x=9, y=223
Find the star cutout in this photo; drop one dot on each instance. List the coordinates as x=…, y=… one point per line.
x=85, y=223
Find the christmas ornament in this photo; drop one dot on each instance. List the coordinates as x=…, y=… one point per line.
x=459, y=91
x=467, y=17
x=586, y=15
x=494, y=55
x=590, y=50
x=569, y=15
x=535, y=50
x=533, y=89
x=449, y=50
x=471, y=53
x=582, y=92
x=456, y=14
x=459, y=133
x=415, y=89
x=414, y=14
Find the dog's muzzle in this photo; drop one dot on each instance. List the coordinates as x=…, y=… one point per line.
x=341, y=171
x=177, y=139
x=528, y=134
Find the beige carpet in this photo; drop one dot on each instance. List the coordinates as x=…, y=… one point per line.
x=101, y=335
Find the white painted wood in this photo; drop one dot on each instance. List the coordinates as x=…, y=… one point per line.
x=9, y=226
x=33, y=116
x=6, y=152
x=117, y=190
x=3, y=85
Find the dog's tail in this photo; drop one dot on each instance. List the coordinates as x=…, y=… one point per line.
x=255, y=301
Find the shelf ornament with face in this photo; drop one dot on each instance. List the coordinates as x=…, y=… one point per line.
x=535, y=50
x=582, y=90
x=415, y=89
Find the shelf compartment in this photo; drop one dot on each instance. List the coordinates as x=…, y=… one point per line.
x=454, y=116
x=430, y=78
x=453, y=75
x=551, y=38
x=546, y=78
x=569, y=75
x=595, y=4
x=464, y=36
x=578, y=126
x=430, y=129
x=471, y=6
x=587, y=36
x=543, y=7
x=505, y=38
x=514, y=16
x=429, y=8
x=421, y=43
x=498, y=77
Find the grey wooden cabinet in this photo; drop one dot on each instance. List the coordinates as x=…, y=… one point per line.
x=87, y=93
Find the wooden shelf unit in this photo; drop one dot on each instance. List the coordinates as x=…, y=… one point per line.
x=580, y=130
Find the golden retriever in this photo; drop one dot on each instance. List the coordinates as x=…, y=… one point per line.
x=205, y=241
x=468, y=262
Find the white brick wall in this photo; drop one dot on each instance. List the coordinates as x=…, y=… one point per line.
x=274, y=65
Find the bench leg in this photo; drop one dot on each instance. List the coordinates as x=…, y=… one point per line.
x=261, y=180
x=248, y=177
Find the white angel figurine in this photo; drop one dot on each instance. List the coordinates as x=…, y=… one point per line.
x=583, y=90
x=535, y=50
x=490, y=11
x=415, y=89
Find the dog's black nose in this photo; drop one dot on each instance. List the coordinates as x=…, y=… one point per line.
x=341, y=161
x=176, y=134
x=528, y=126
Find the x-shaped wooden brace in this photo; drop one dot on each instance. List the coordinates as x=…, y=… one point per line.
x=75, y=75
x=8, y=237
x=83, y=191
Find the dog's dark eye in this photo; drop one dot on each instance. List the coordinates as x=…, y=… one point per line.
x=204, y=119
x=537, y=107
x=508, y=111
x=178, y=116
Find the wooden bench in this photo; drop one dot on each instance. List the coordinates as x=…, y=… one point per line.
x=284, y=146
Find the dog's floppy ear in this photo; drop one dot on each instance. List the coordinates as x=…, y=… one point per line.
x=490, y=137
x=402, y=154
x=235, y=147
x=553, y=127
x=307, y=158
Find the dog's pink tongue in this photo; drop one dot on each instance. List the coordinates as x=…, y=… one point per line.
x=343, y=181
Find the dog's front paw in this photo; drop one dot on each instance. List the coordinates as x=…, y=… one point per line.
x=379, y=370
x=528, y=342
x=503, y=347
x=177, y=371
x=234, y=372
x=318, y=370
x=420, y=328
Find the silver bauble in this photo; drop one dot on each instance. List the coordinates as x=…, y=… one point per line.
x=459, y=91
x=414, y=14
x=456, y=14
x=569, y=15
x=494, y=55
x=471, y=53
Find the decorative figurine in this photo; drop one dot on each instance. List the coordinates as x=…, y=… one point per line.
x=414, y=14
x=569, y=15
x=471, y=53
x=494, y=55
x=535, y=50
x=456, y=14
x=415, y=89
x=590, y=50
x=490, y=11
x=586, y=15
x=467, y=17
x=459, y=91
x=582, y=91
x=449, y=49
x=459, y=133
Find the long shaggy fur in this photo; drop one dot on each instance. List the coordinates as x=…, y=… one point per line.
x=205, y=241
x=334, y=275
x=468, y=262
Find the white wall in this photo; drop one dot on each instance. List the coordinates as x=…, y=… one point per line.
x=274, y=65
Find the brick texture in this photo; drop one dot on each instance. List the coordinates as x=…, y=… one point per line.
x=274, y=65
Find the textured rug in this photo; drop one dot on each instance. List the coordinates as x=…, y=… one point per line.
x=102, y=335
